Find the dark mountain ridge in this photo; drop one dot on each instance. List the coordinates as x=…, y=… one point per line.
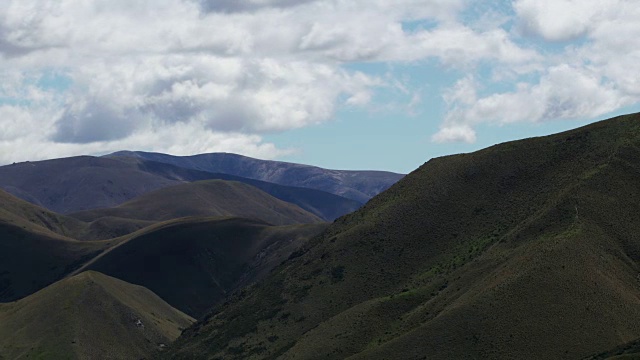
x=527, y=249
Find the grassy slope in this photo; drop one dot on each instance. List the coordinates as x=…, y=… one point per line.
x=205, y=198
x=193, y=263
x=526, y=249
x=88, y=316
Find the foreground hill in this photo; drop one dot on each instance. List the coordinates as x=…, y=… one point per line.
x=206, y=198
x=195, y=263
x=356, y=185
x=88, y=316
x=82, y=183
x=527, y=249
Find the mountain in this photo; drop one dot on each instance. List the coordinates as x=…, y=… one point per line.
x=356, y=185
x=526, y=250
x=83, y=183
x=88, y=316
x=206, y=198
x=78, y=183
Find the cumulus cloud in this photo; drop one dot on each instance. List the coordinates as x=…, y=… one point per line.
x=586, y=79
x=184, y=75
x=141, y=73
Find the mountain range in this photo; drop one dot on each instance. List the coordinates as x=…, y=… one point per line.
x=85, y=182
x=355, y=185
x=524, y=250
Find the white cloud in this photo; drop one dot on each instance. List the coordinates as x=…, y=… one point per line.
x=564, y=92
x=211, y=69
x=595, y=72
x=561, y=20
x=152, y=74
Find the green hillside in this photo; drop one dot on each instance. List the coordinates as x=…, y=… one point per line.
x=194, y=263
x=205, y=198
x=524, y=250
x=88, y=316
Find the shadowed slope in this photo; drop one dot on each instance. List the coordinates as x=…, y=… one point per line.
x=206, y=198
x=356, y=185
x=31, y=260
x=88, y=316
x=527, y=249
x=194, y=263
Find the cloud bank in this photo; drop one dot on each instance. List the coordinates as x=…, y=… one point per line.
x=189, y=76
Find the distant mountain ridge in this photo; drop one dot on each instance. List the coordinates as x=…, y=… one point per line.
x=356, y=185
x=81, y=183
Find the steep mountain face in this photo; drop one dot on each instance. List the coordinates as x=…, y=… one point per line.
x=527, y=249
x=83, y=183
x=356, y=185
x=206, y=198
x=193, y=264
x=89, y=316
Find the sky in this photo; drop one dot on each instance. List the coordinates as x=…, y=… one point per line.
x=342, y=84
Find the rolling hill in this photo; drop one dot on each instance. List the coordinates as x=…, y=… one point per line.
x=195, y=263
x=88, y=316
x=356, y=185
x=526, y=250
x=206, y=198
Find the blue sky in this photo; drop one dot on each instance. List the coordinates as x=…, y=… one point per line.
x=349, y=84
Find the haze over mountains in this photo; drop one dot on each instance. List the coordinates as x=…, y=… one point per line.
x=526, y=250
